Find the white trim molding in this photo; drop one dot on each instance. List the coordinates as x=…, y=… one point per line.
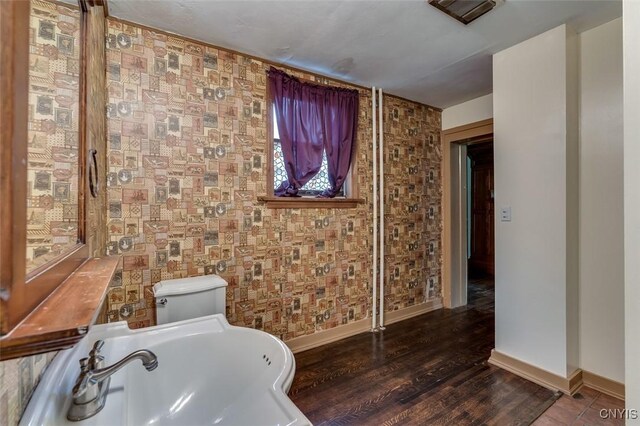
x=320, y=338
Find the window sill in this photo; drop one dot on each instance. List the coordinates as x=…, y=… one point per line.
x=65, y=316
x=310, y=203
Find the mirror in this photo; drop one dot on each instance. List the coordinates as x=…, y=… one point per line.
x=53, y=132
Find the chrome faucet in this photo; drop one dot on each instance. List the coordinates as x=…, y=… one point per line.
x=92, y=385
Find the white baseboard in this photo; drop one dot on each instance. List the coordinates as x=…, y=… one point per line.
x=310, y=341
x=412, y=311
x=603, y=384
x=568, y=385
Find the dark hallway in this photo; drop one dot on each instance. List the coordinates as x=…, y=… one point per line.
x=481, y=211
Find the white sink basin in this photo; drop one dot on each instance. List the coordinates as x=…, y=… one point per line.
x=209, y=373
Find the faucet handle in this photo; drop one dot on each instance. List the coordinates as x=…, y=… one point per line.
x=84, y=365
x=82, y=383
x=80, y=386
x=96, y=348
x=96, y=362
x=95, y=359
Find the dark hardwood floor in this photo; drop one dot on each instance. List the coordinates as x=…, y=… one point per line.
x=583, y=408
x=427, y=370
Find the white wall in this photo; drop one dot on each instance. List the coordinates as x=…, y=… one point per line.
x=533, y=112
x=601, y=202
x=599, y=344
x=572, y=213
x=631, y=37
x=468, y=112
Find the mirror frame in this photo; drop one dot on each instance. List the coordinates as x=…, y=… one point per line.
x=21, y=293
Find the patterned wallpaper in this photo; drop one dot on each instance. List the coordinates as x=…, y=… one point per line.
x=54, y=69
x=413, y=194
x=18, y=379
x=187, y=137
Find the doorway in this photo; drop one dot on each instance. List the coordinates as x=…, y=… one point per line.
x=480, y=211
x=468, y=212
x=480, y=222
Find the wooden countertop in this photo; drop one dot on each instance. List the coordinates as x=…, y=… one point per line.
x=65, y=316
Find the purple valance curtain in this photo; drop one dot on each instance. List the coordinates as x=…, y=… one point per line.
x=312, y=119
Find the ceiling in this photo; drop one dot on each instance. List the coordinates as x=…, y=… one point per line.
x=407, y=47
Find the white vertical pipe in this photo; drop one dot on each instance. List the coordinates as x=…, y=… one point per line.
x=381, y=197
x=375, y=213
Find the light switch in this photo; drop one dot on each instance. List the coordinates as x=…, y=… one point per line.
x=505, y=214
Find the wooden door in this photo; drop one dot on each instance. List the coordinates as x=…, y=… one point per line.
x=481, y=260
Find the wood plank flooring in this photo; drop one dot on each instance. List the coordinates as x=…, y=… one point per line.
x=427, y=370
x=583, y=408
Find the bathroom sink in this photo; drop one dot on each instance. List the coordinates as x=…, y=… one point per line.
x=209, y=373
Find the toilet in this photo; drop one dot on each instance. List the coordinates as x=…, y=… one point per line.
x=187, y=298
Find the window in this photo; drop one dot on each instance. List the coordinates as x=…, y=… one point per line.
x=315, y=186
x=317, y=148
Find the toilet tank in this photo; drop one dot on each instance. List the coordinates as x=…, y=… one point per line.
x=187, y=298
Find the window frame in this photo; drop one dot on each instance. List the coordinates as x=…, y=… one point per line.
x=22, y=292
x=350, y=187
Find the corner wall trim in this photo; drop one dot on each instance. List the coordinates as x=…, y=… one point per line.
x=331, y=335
x=568, y=385
x=604, y=385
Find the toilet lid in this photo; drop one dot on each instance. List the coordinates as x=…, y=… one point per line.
x=188, y=285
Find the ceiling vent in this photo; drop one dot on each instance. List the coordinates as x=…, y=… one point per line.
x=465, y=11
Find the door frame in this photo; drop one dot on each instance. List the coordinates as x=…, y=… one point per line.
x=456, y=135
